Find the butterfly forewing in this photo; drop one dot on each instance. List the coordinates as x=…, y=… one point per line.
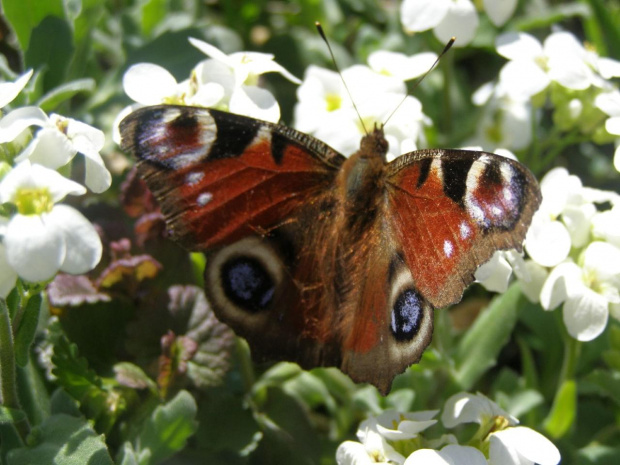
x=452, y=209
x=220, y=177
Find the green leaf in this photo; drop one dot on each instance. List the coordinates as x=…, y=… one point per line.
x=167, y=429
x=226, y=423
x=63, y=92
x=51, y=48
x=63, y=440
x=478, y=350
x=563, y=411
x=25, y=15
x=607, y=383
x=153, y=12
x=127, y=455
x=11, y=415
x=27, y=329
x=74, y=375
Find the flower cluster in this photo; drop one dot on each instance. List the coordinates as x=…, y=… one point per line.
x=561, y=72
x=39, y=236
x=400, y=438
x=326, y=110
x=574, y=245
x=224, y=82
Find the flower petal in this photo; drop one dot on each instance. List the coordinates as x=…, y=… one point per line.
x=499, y=12
x=49, y=148
x=528, y=443
x=523, y=79
x=352, y=453
x=453, y=454
x=563, y=281
x=495, y=274
x=255, y=102
x=10, y=90
x=26, y=175
x=586, y=316
x=518, y=46
x=460, y=22
x=471, y=408
x=35, y=249
x=537, y=275
x=547, y=242
x=83, y=245
x=13, y=124
x=148, y=84
x=421, y=15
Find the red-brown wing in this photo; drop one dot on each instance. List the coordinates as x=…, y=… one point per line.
x=452, y=209
x=219, y=176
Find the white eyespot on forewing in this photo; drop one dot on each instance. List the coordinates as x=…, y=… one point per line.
x=204, y=198
x=448, y=248
x=464, y=230
x=194, y=177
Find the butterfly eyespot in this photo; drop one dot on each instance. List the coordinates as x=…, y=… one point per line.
x=244, y=280
x=247, y=283
x=407, y=314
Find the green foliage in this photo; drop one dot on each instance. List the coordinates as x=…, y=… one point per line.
x=63, y=440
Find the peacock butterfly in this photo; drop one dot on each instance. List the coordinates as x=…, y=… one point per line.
x=320, y=259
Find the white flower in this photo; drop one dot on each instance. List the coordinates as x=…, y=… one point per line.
x=373, y=449
x=562, y=220
x=325, y=110
x=447, y=18
x=397, y=426
x=495, y=274
x=586, y=291
x=235, y=78
x=43, y=237
x=509, y=444
x=561, y=58
x=473, y=408
x=150, y=84
x=506, y=121
x=609, y=103
x=57, y=141
x=452, y=454
x=10, y=90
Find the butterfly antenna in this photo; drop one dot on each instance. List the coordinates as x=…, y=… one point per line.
x=324, y=37
x=421, y=78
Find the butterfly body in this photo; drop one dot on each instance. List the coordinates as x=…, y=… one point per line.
x=321, y=259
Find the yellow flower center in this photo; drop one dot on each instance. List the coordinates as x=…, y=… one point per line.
x=33, y=201
x=333, y=102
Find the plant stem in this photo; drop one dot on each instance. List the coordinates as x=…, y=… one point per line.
x=245, y=364
x=8, y=379
x=572, y=349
